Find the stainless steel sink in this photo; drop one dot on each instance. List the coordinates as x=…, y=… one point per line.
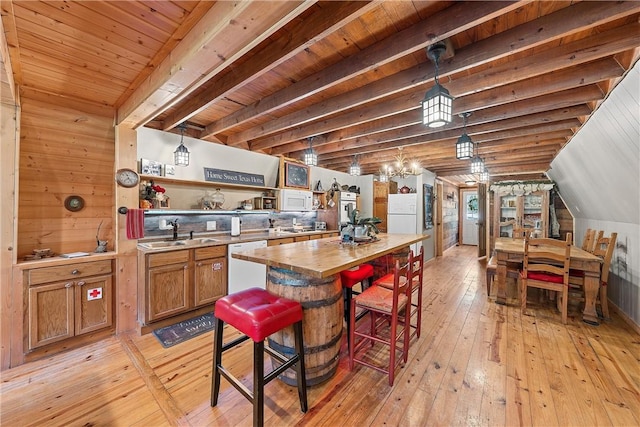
x=171, y=243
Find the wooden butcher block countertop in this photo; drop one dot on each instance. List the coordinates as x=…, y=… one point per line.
x=326, y=257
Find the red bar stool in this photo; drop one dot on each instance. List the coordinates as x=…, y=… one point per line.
x=349, y=279
x=257, y=314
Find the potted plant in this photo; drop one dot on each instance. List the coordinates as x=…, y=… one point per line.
x=364, y=227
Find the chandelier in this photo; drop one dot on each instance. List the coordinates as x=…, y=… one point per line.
x=401, y=168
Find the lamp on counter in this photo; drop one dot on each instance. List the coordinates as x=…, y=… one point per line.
x=310, y=155
x=437, y=103
x=477, y=164
x=402, y=168
x=464, y=146
x=355, y=168
x=181, y=155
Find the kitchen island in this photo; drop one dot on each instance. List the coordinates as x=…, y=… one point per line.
x=309, y=272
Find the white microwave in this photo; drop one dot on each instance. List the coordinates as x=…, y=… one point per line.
x=296, y=200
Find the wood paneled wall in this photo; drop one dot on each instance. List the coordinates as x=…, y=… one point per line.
x=66, y=148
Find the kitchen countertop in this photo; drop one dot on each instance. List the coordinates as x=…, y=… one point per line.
x=325, y=257
x=205, y=240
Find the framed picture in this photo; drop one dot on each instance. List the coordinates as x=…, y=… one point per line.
x=428, y=206
x=150, y=167
x=296, y=175
x=169, y=170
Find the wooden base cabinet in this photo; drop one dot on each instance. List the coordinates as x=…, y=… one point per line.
x=183, y=280
x=67, y=301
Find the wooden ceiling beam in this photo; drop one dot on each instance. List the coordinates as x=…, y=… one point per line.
x=573, y=77
x=578, y=52
x=450, y=21
x=302, y=34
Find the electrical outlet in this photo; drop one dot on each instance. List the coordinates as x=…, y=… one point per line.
x=294, y=221
x=211, y=225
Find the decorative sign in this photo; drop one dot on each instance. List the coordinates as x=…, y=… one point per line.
x=95, y=293
x=233, y=177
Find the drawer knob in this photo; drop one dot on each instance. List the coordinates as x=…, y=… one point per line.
x=75, y=271
x=81, y=283
x=68, y=284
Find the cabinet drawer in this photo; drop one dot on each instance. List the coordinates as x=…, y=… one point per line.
x=211, y=252
x=70, y=271
x=165, y=258
x=275, y=242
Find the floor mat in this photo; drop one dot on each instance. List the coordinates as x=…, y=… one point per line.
x=182, y=331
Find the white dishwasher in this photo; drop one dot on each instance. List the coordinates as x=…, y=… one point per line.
x=246, y=274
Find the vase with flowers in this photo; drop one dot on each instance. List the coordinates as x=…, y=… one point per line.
x=152, y=196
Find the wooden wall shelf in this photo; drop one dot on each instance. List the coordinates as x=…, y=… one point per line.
x=167, y=180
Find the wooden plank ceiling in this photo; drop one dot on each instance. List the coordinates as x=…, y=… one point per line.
x=268, y=76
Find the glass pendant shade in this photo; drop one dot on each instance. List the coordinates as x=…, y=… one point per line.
x=355, y=169
x=181, y=155
x=477, y=165
x=384, y=178
x=310, y=158
x=464, y=147
x=484, y=176
x=437, y=107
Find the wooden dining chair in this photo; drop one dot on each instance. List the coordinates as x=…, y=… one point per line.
x=513, y=268
x=603, y=248
x=386, y=304
x=588, y=240
x=546, y=266
x=417, y=279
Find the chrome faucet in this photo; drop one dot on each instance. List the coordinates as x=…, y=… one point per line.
x=174, y=224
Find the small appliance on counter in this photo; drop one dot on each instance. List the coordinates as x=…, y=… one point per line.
x=235, y=226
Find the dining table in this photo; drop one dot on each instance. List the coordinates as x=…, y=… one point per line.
x=510, y=250
x=309, y=272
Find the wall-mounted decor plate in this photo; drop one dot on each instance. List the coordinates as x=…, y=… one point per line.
x=74, y=203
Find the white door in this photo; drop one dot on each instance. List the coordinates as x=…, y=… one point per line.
x=470, y=217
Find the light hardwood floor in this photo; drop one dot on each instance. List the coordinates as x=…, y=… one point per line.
x=476, y=363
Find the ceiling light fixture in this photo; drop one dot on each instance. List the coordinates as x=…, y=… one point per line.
x=437, y=102
x=181, y=155
x=484, y=176
x=464, y=146
x=355, y=168
x=402, y=168
x=310, y=155
x=477, y=164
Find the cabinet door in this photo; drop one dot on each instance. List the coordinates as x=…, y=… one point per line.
x=508, y=215
x=168, y=290
x=50, y=313
x=210, y=282
x=93, y=304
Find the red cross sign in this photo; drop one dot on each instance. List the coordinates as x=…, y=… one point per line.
x=95, y=293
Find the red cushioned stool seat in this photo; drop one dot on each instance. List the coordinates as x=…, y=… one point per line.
x=349, y=279
x=257, y=314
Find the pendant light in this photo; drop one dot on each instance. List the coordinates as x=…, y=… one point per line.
x=477, y=164
x=181, y=155
x=437, y=102
x=464, y=146
x=355, y=168
x=484, y=176
x=310, y=155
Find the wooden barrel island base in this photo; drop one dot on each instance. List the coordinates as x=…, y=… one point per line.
x=309, y=272
x=322, y=304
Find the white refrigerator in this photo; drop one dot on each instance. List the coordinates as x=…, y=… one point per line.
x=402, y=216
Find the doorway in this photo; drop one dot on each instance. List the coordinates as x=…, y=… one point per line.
x=470, y=209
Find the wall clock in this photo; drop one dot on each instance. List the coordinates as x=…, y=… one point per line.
x=74, y=203
x=127, y=178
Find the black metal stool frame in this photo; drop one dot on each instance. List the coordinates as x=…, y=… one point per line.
x=256, y=397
